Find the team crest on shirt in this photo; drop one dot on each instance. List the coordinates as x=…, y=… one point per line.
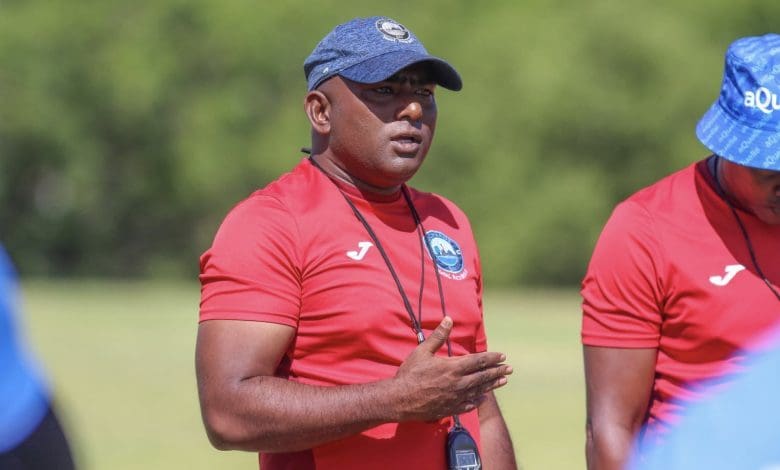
x=446, y=253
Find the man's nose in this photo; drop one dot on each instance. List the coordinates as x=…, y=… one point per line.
x=411, y=110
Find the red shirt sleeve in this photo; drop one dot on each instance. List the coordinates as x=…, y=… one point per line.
x=622, y=291
x=251, y=271
x=480, y=340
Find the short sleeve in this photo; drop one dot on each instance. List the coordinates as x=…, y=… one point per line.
x=252, y=271
x=622, y=291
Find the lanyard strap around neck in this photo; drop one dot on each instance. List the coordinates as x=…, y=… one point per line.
x=416, y=323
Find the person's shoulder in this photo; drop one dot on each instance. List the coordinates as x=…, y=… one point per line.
x=671, y=201
x=7, y=275
x=440, y=214
x=434, y=201
x=6, y=268
x=288, y=190
x=290, y=185
x=673, y=188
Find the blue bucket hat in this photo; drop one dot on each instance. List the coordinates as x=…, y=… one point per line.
x=369, y=50
x=743, y=126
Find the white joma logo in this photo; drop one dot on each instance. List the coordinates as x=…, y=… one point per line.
x=762, y=99
x=358, y=255
x=731, y=271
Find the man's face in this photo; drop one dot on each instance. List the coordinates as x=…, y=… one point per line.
x=756, y=190
x=380, y=133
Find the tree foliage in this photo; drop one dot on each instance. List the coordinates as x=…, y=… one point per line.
x=128, y=129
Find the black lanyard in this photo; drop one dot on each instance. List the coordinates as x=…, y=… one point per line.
x=416, y=320
x=742, y=228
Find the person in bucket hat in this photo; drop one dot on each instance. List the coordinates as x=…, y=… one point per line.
x=743, y=125
x=341, y=310
x=686, y=272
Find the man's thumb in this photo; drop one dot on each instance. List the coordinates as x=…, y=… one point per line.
x=439, y=336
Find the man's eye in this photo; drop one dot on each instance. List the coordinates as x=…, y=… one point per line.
x=425, y=92
x=383, y=90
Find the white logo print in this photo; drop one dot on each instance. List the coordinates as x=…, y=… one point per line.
x=731, y=271
x=763, y=99
x=358, y=255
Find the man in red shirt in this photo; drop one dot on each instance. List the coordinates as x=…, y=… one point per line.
x=686, y=273
x=341, y=312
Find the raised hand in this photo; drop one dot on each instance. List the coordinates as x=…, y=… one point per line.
x=433, y=386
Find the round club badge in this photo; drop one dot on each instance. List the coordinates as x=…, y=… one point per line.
x=446, y=252
x=393, y=31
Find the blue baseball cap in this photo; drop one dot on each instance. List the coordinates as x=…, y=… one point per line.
x=743, y=126
x=369, y=50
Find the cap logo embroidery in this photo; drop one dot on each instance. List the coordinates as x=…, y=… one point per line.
x=393, y=31
x=763, y=99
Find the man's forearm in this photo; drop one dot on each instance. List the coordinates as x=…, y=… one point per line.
x=608, y=449
x=270, y=414
x=497, y=449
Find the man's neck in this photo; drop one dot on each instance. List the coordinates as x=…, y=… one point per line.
x=339, y=174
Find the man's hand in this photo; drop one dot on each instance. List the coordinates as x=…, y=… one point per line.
x=433, y=386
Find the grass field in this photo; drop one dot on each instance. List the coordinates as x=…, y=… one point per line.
x=120, y=357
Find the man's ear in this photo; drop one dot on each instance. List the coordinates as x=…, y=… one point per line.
x=317, y=108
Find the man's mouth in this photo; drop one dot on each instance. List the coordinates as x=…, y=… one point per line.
x=407, y=138
x=407, y=143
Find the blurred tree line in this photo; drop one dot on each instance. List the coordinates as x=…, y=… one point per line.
x=129, y=129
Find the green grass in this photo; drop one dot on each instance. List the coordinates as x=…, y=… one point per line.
x=544, y=402
x=120, y=357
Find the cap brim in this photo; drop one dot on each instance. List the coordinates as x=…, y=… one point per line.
x=737, y=142
x=382, y=67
